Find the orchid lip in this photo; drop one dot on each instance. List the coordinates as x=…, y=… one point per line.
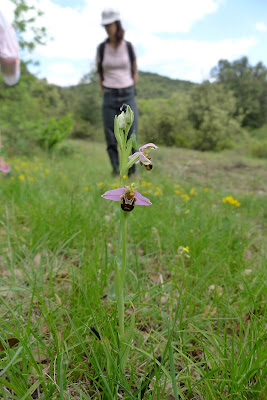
x=119, y=195
x=142, y=158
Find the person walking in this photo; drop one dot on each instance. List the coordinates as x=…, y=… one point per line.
x=10, y=68
x=118, y=75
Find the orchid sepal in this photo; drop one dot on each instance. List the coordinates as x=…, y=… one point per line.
x=118, y=133
x=133, y=159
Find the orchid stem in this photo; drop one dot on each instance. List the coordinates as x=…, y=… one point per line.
x=123, y=243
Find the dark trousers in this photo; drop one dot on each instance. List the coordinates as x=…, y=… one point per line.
x=113, y=99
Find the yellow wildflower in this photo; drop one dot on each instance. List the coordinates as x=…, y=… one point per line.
x=22, y=177
x=86, y=189
x=193, y=192
x=187, y=211
x=158, y=191
x=185, y=197
x=30, y=178
x=100, y=184
x=231, y=200
x=183, y=251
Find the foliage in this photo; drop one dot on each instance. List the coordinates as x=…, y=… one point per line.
x=24, y=108
x=196, y=278
x=25, y=17
x=54, y=132
x=259, y=149
x=203, y=116
x=249, y=85
x=154, y=86
x=211, y=111
x=166, y=121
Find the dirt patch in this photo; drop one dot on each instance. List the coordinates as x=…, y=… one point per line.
x=227, y=170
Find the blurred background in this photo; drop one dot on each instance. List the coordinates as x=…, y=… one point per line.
x=202, y=73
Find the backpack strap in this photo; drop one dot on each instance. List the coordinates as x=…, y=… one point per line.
x=131, y=55
x=101, y=56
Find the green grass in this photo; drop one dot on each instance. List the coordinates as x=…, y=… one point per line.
x=200, y=314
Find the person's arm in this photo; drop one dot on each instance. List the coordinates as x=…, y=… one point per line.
x=100, y=80
x=9, y=58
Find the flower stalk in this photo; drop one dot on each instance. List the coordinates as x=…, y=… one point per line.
x=129, y=197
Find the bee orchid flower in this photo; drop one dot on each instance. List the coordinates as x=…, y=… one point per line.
x=144, y=159
x=128, y=197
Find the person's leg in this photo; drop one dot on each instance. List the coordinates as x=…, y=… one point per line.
x=108, y=113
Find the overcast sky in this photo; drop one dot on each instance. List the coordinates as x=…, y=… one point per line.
x=180, y=39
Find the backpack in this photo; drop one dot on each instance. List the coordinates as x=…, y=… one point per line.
x=101, y=56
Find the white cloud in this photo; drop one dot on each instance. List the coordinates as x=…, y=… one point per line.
x=77, y=33
x=7, y=8
x=261, y=27
x=63, y=68
x=189, y=59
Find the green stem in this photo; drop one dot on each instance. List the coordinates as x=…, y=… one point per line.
x=123, y=243
x=120, y=305
x=119, y=278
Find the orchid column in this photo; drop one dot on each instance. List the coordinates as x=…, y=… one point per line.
x=129, y=198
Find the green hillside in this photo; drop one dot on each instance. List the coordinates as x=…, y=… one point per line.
x=154, y=85
x=209, y=116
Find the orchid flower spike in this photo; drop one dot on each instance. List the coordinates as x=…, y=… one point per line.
x=144, y=159
x=128, y=197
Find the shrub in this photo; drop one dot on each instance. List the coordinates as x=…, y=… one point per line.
x=211, y=111
x=165, y=121
x=55, y=132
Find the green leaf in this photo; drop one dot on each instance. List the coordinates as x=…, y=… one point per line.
x=126, y=347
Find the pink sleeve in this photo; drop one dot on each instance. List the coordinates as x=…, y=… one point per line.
x=9, y=53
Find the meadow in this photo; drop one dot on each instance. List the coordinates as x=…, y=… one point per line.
x=196, y=279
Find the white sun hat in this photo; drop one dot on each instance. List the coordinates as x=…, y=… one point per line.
x=109, y=15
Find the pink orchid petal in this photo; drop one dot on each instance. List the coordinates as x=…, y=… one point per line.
x=148, y=145
x=141, y=200
x=114, y=195
x=133, y=155
x=144, y=160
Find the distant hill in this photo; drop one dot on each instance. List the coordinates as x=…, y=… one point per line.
x=152, y=86
x=149, y=85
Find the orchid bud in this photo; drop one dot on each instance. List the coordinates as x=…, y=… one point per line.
x=129, y=116
x=121, y=121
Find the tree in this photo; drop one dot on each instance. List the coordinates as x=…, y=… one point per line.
x=249, y=85
x=24, y=23
x=212, y=112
